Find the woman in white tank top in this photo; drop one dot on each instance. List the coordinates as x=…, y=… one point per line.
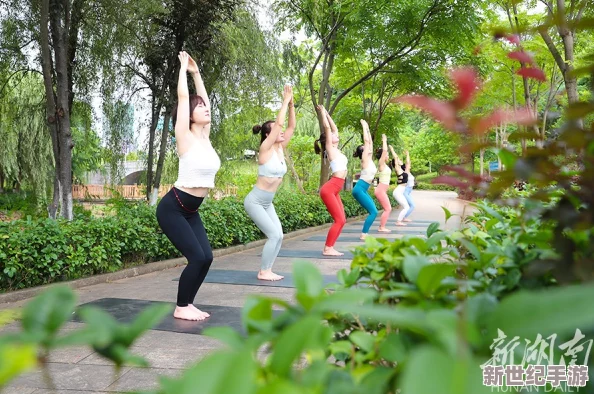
x=177, y=212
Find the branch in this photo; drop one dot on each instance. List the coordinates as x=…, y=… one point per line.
x=151, y=85
x=552, y=48
x=12, y=75
x=311, y=73
x=411, y=44
x=580, y=13
x=308, y=17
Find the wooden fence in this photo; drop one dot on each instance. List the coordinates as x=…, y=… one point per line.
x=133, y=192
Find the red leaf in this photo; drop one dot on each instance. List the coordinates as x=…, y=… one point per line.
x=532, y=72
x=441, y=111
x=521, y=56
x=513, y=38
x=521, y=116
x=467, y=83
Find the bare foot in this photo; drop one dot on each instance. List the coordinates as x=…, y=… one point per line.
x=384, y=230
x=206, y=314
x=269, y=275
x=400, y=224
x=330, y=251
x=362, y=237
x=407, y=220
x=187, y=313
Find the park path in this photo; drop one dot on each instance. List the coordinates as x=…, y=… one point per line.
x=172, y=349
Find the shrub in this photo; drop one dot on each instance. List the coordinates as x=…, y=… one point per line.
x=37, y=252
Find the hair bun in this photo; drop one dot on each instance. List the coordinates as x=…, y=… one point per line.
x=256, y=129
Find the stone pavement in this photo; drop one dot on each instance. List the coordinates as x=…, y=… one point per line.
x=81, y=370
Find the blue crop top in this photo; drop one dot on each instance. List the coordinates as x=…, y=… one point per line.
x=274, y=167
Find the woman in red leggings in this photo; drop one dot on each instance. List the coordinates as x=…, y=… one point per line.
x=330, y=192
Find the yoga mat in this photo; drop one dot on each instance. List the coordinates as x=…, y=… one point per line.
x=315, y=254
x=236, y=277
x=124, y=310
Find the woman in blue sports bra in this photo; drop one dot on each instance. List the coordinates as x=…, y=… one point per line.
x=272, y=167
x=368, y=171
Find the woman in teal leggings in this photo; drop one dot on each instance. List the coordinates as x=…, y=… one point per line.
x=368, y=170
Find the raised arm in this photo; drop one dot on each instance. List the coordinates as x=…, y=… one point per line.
x=367, y=143
x=407, y=166
x=331, y=123
x=384, y=157
x=198, y=83
x=292, y=123
x=326, y=126
x=182, y=121
x=277, y=127
x=395, y=158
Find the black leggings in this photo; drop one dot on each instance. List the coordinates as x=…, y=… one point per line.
x=186, y=232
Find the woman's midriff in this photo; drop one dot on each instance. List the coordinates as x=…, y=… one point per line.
x=268, y=184
x=340, y=174
x=196, y=191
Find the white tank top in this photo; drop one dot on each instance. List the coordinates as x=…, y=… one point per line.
x=367, y=174
x=198, y=166
x=339, y=163
x=274, y=167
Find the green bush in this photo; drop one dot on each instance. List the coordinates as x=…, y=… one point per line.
x=426, y=177
x=37, y=252
x=431, y=186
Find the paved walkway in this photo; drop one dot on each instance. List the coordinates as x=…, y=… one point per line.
x=81, y=370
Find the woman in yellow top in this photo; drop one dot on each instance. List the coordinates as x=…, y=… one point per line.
x=381, y=190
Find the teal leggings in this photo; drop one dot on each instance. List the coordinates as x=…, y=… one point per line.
x=361, y=195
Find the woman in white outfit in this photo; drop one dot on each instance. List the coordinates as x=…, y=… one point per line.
x=409, y=187
x=401, y=181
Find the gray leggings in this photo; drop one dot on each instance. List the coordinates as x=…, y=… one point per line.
x=259, y=207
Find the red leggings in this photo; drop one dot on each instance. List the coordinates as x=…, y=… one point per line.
x=330, y=194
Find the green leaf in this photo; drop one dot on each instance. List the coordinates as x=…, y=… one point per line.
x=363, y=339
x=377, y=380
x=148, y=318
x=402, y=317
x=293, y=341
x=256, y=314
x=433, y=227
x=448, y=375
x=471, y=248
x=47, y=312
x=412, y=265
x=226, y=335
x=448, y=214
x=211, y=375
x=338, y=347
x=393, y=348
x=309, y=283
x=551, y=311
x=508, y=158
x=341, y=300
x=430, y=277
x=16, y=359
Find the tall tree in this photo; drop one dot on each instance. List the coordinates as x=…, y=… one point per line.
x=562, y=18
x=385, y=31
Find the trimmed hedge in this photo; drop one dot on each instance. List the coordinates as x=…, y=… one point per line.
x=37, y=252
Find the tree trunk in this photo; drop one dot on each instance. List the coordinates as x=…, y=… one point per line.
x=50, y=102
x=59, y=27
x=161, y=161
x=482, y=162
x=291, y=166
